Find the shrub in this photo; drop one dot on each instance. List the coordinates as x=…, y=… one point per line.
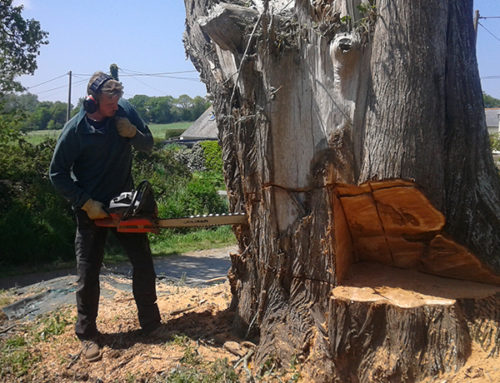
x=173, y=133
x=213, y=155
x=193, y=157
x=36, y=224
x=199, y=196
x=495, y=141
x=213, y=162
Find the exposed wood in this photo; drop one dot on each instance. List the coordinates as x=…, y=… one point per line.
x=227, y=25
x=395, y=224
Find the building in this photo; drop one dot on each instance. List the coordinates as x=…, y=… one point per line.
x=492, y=120
x=203, y=129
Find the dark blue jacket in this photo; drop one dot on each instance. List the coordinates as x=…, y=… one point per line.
x=89, y=163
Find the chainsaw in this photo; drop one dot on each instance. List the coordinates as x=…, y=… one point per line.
x=136, y=212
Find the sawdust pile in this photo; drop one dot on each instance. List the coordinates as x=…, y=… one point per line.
x=198, y=325
x=198, y=333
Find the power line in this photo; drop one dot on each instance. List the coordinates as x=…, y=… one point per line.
x=147, y=85
x=138, y=73
x=45, y=82
x=491, y=33
x=155, y=74
x=59, y=87
x=124, y=73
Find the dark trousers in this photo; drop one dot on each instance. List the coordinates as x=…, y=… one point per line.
x=89, y=247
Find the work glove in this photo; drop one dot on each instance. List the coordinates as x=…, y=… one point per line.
x=94, y=209
x=125, y=127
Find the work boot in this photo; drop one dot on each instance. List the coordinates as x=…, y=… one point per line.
x=160, y=331
x=91, y=350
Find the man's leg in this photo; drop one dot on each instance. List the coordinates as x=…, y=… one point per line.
x=89, y=248
x=143, y=278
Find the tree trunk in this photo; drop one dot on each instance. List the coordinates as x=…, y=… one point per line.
x=353, y=135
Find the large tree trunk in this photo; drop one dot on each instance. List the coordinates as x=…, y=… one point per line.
x=353, y=136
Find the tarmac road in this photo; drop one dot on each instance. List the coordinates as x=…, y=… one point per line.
x=192, y=267
x=43, y=292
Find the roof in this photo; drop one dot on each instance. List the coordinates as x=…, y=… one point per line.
x=492, y=117
x=205, y=127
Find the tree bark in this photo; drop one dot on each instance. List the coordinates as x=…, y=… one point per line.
x=353, y=133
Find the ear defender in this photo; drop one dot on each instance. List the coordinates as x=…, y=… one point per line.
x=90, y=104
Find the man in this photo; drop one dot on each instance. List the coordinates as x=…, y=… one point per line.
x=92, y=164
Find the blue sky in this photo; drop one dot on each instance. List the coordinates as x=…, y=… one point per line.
x=488, y=45
x=146, y=38
x=141, y=37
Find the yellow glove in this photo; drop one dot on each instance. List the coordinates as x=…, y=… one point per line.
x=125, y=127
x=94, y=209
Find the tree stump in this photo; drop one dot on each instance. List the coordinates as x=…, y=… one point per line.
x=385, y=324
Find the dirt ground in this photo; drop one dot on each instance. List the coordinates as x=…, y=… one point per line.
x=197, y=335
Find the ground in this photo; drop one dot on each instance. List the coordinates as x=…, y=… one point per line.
x=198, y=342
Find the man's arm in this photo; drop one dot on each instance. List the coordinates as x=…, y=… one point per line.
x=64, y=156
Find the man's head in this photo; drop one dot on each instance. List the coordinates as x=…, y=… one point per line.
x=103, y=95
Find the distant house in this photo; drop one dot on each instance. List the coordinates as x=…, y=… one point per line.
x=204, y=128
x=492, y=120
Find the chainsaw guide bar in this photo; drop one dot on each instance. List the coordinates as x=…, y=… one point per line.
x=136, y=212
x=147, y=225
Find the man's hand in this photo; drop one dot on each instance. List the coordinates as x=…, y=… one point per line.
x=125, y=127
x=94, y=209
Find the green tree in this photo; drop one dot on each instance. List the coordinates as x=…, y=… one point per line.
x=58, y=115
x=184, y=105
x=490, y=101
x=20, y=41
x=26, y=102
x=139, y=102
x=160, y=109
x=200, y=104
x=39, y=119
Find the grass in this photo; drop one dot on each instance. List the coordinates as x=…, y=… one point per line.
x=169, y=242
x=172, y=243
x=159, y=131
x=19, y=354
x=5, y=298
x=38, y=136
x=193, y=369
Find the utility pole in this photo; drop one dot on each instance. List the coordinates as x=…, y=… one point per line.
x=476, y=22
x=68, y=111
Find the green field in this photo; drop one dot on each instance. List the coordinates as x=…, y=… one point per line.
x=160, y=132
x=37, y=136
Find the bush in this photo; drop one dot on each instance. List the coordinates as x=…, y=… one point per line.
x=495, y=141
x=36, y=224
x=198, y=197
x=193, y=157
x=213, y=162
x=173, y=133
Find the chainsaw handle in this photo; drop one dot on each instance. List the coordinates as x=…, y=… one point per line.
x=112, y=221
